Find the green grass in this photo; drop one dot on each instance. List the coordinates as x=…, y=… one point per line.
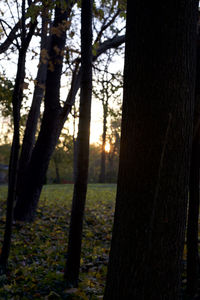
x=38, y=252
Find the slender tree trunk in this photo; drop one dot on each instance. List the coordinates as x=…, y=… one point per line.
x=149, y=224
x=74, y=143
x=193, y=211
x=13, y=164
x=102, y=176
x=34, y=113
x=110, y=167
x=57, y=171
x=80, y=186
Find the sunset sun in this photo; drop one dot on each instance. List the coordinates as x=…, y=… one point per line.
x=107, y=147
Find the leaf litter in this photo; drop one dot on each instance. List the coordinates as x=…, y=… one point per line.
x=38, y=251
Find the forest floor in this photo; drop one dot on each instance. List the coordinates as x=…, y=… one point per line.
x=38, y=252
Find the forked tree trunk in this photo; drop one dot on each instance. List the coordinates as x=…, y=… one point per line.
x=152, y=191
x=82, y=159
x=34, y=113
x=51, y=123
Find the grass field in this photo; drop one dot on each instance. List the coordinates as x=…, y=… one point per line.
x=38, y=253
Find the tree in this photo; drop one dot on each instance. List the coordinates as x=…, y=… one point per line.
x=61, y=164
x=193, y=266
x=114, y=143
x=10, y=38
x=55, y=115
x=107, y=86
x=13, y=164
x=82, y=160
x=94, y=162
x=34, y=176
x=34, y=113
x=151, y=202
x=6, y=90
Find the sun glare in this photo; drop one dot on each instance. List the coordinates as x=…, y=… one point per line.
x=107, y=147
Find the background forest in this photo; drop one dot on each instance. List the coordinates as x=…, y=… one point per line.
x=106, y=93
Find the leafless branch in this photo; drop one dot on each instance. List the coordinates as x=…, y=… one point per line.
x=105, y=26
x=112, y=43
x=7, y=2
x=10, y=38
x=108, y=44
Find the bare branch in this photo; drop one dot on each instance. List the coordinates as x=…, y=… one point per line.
x=11, y=37
x=30, y=34
x=3, y=21
x=23, y=26
x=105, y=26
x=111, y=43
x=11, y=11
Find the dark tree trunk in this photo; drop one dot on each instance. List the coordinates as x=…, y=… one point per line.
x=102, y=176
x=74, y=143
x=51, y=124
x=149, y=224
x=81, y=176
x=193, y=218
x=34, y=113
x=57, y=180
x=74, y=158
x=193, y=211
x=13, y=164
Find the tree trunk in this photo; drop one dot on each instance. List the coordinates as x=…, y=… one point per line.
x=34, y=113
x=13, y=164
x=57, y=179
x=81, y=176
x=193, y=218
x=149, y=224
x=74, y=144
x=102, y=176
x=51, y=124
x=193, y=211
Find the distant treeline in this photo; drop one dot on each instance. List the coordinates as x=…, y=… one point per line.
x=61, y=165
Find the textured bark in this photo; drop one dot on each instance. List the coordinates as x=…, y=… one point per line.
x=193, y=210
x=149, y=224
x=82, y=159
x=193, y=218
